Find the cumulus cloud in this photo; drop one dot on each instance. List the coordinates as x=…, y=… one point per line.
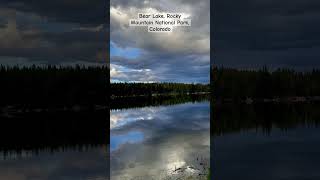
x=169, y=56
x=125, y=74
x=182, y=40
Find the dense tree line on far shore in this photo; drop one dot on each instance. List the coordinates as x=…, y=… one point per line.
x=263, y=83
x=137, y=89
x=65, y=86
x=53, y=85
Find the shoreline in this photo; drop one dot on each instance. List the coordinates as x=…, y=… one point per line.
x=283, y=100
x=161, y=94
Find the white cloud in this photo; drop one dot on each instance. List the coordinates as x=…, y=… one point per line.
x=123, y=74
x=175, y=56
x=182, y=40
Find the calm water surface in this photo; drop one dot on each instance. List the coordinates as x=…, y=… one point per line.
x=278, y=142
x=163, y=142
x=54, y=146
x=70, y=164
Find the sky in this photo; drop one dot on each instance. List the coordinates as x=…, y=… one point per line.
x=245, y=34
x=139, y=56
x=248, y=34
x=53, y=32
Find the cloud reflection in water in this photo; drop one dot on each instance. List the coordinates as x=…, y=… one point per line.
x=174, y=138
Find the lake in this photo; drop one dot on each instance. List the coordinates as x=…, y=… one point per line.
x=266, y=141
x=160, y=142
x=258, y=141
x=67, y=164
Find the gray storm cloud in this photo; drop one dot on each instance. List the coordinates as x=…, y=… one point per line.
x=180, y=56
x=53, y=33
x=254, y=33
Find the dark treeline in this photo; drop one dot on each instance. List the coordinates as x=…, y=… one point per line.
x=53, y=85
x=233, y=83
x=227, y=118
x=60, y=86
x=142, y=89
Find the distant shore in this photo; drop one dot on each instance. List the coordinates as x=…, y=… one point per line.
x=249, y=100
x=160, y=94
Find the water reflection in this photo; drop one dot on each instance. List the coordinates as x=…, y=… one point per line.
x=266, y=141
x=67, y=165
x=130, y=137
x=163, y=142
x=61, y=145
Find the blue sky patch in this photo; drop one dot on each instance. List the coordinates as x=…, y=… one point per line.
x=130, y=53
